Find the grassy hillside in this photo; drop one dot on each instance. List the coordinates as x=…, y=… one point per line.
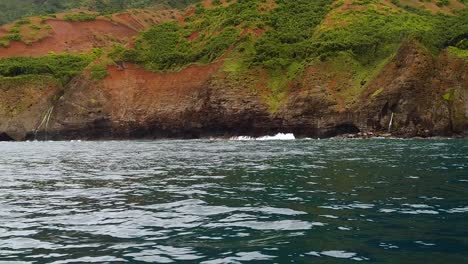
x=11, y=10
x=278, y=34
x=282, y=38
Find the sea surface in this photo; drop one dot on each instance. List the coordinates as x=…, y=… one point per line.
x=235, y=201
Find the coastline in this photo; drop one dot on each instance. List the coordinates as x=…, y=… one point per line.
x=245, y=137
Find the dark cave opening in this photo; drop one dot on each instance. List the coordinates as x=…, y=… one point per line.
x=5, y=137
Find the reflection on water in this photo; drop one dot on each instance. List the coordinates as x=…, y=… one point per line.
x=303, y=201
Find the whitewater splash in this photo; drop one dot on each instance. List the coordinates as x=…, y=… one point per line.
x=279, y=136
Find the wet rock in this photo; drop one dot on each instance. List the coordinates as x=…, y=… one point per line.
x=5, y=137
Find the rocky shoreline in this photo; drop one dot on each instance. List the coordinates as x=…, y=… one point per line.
x=415, y=95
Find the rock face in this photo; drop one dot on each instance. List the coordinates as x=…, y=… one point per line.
x=414, y=95
x=24, y=103
x=415, y=84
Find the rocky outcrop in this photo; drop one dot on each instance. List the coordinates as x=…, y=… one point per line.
x=24, y=103
x=415, y=94
x=426, y=96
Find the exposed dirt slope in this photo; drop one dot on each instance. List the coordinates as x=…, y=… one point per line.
x=140, y=19
x=72, y=37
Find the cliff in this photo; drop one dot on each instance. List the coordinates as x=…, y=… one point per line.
x=409, y=91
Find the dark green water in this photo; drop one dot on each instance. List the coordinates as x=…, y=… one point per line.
x=303, y=201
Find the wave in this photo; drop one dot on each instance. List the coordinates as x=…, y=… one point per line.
x=279, y=136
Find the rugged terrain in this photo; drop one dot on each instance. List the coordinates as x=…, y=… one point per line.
x=198, y=72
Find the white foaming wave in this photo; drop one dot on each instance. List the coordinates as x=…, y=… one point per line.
x=279, y=136
x=424, y=243
x=458, y=210
x=340, y=254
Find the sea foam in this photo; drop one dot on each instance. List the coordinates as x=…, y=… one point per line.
x=279, y=136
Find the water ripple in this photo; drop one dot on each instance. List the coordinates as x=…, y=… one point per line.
x=302, y=201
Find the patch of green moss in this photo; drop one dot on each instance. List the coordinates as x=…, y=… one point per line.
x=239, y=59
x=98, y=71
x=277, y=84
x=23, y=21
x=449, y=96
x=359, y=74
x=377, y=92
x=457, y=52
x=294, y=70
x=37, y=81
x=34, y=27
x=4, y=43
x=12, y=37
x=234, y=65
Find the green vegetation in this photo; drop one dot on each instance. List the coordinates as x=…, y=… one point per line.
x=4, y=43
x=377, y=92
x=23, y=21
x=63, y=67
x=166, y=46
x=11, y=10
x=461, y=53
x=373, y=33
x=294, y=33
x=98, y=71
x=34, y=27
x=26, y=31
x=449, y=95
x=36, y=81
x=292, y=26
x=290, y=35
x=278, y=38
x=441, y=3
x=12, y=37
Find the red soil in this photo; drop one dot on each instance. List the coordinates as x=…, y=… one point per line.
x=194, y=36
x=3, y=32
x=257, y=32
x=138, y=19
x=190, y=12
x=72, y=37
x=129, y=20
x=267, y=6
x=136, y=94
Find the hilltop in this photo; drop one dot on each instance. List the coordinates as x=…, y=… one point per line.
x=11, y=10
x=119, y=69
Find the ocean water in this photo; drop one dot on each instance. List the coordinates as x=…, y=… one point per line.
x=235, y=201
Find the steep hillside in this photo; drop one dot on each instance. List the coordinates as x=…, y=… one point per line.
x=219, y=68
x=11, y=10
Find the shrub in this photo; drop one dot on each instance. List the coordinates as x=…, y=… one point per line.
x=23, y=22
x=4, y=43
x=34, y=27
x=294, y=34
x=98, y=71
x=63, y=67
x=14, y=30
x=12, y=37
x=442, y=3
